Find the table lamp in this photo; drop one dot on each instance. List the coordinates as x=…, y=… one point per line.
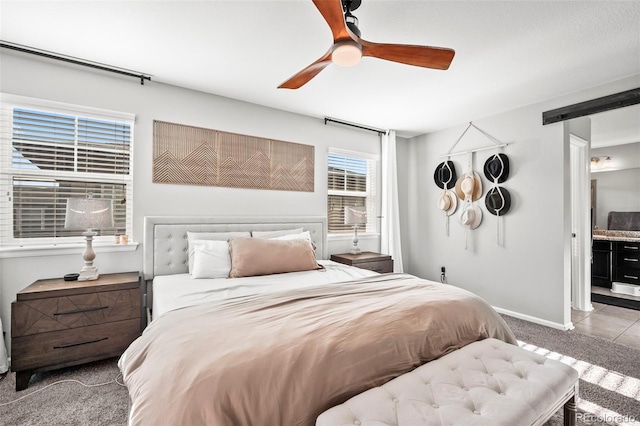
x=88, y=213
x=355, y=216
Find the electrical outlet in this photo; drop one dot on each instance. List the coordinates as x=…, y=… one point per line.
x=442, y=269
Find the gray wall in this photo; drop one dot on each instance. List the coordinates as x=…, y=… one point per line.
x=26, y=76
x=528, y=274
x=618, y=181
x=616, y=191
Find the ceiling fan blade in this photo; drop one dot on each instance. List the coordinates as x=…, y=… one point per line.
x=420, y=56
x=331, y=11
x=304, y=76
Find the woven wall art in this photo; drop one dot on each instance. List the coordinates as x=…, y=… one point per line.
x=196, y=156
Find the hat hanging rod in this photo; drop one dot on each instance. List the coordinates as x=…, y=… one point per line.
x=75, y=61
x=496, y=142
x=485, y=148
x=359, y=126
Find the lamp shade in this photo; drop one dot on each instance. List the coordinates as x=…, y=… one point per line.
x=355, y=215
x=88, y=213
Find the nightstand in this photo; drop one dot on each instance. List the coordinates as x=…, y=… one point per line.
x=377, y=262
x=57, y=323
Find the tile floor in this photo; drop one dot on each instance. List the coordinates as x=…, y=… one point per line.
x=609, y=322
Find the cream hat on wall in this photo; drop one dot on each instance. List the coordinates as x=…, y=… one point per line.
x=469, y=187
x=471, y=217
x=448, y=202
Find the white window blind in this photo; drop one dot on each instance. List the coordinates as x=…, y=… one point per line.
x=351, y=182
x=51, y=152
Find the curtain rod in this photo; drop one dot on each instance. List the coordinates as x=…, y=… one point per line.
x=72, y=60
x=346, y=123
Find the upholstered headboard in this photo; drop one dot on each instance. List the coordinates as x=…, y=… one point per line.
x=165, y=237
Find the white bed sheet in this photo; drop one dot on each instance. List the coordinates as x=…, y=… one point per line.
x=180, y=290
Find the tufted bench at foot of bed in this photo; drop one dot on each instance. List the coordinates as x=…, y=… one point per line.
x=488, y=382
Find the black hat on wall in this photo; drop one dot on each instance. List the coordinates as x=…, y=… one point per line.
x=445, y=175
x=498, y=201
x=496, y=168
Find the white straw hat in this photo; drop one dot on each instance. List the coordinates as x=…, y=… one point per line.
x=448, y=202
x=471, y=217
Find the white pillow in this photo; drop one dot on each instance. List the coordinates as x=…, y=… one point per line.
x=217, y=236
x=273, y=234
x=300, y=236
x=211, y=259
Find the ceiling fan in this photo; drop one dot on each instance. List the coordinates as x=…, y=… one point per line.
x=348, y=48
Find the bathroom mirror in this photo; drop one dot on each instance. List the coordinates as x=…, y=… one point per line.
x=615, y=164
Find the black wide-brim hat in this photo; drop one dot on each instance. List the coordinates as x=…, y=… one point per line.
x=496, y=168
x=445, y=174
x=498, y=201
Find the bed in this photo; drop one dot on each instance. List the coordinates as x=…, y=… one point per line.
x=281, y=349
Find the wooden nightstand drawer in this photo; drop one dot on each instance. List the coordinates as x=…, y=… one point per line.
x=61, y=313
x=377, y=262
x=75, y=346
x=382, y=266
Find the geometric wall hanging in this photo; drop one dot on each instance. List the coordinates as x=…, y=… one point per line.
x=196, y=156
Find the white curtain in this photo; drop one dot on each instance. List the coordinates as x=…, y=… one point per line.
x=4, y=363
x=390, y=232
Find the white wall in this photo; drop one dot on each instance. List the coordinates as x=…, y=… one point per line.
x=616, y=191
x=527, y=274
x=38, y=78
x=618, y=180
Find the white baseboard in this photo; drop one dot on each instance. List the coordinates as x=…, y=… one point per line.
x=536, y=320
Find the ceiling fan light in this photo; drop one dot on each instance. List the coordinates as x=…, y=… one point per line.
x=346, y=53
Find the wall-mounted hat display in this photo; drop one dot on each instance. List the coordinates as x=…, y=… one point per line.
x=448, y=202
x=498, y=201
x=445, y=175
x=471, y=216
x=496, y=168
x=469, y=187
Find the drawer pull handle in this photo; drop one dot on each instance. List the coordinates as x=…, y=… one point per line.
x=79, y=311
x=630, y=260
x=631, y=247
x=70, y=345
x=630, y=276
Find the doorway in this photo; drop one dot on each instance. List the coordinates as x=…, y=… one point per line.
x=581, y=215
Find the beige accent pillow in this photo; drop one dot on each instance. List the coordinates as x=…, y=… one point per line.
x=256, y=256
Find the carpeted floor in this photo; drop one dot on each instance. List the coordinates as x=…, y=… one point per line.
x=611, y=372
x=73, y=404
x=67, y=403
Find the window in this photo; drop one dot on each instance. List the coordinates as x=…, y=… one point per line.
x=351, y=182
x=51, y=152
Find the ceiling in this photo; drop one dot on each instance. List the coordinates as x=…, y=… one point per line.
x=508, y=53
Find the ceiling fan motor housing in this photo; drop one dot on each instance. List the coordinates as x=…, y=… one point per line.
x=352, y=22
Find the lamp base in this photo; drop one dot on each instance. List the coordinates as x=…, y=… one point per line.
x=88, y=271
x=88, y=274
x=354, y=248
